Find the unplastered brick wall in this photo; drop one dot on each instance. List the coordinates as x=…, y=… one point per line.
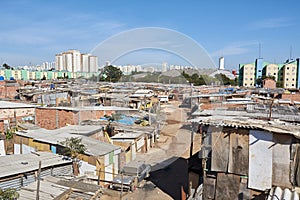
x=46, y=118
x=1, y=126
x=8, y=91
x=66, y=117
x=19, y=112
x=53, y=118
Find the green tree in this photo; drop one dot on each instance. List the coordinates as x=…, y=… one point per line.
x=271, y=77
x=6, y=66
x=73, y=148
x=10, y=193
x=111, y=74
x=225, y=80
x=258, y=82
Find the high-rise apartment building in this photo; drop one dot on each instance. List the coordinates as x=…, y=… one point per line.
x=93, y=64
x=68, y=61
x=84, y=62
x=74, y=61
x=59, y=62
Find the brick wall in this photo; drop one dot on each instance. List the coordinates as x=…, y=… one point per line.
x=57, y=118
x=8, y=91
x=45, y=118
x=1, y=126
x=210, y=106
x=269, y=83
x=67, y=117
x=292, y=97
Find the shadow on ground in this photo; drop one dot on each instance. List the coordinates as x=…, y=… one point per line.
x=173, y=178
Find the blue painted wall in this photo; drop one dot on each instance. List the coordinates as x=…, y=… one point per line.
x=298, y=74
x=259, y=64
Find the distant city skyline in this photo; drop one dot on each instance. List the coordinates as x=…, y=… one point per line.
x=34, y=31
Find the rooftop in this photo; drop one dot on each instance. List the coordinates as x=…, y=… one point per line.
x=12, y=105
x=275, y=126
x=104, y=108
x=94, y=147
x=22, y=163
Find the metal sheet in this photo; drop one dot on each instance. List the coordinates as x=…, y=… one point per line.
x=281, y=160
x=63, y=170
x=239, y=154
x=13, y=183
x=227, y=186
x=260, y=160
x=29, y=178
x=220, y=151
x=206, y=145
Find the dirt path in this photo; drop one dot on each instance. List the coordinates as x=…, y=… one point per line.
x=174, y=140
x=173, y=144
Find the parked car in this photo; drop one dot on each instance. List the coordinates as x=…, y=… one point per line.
x=131, y=175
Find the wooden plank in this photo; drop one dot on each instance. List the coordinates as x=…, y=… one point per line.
x=238, y=154
x=296, y=164
x=220, y=151
x=244, y=192
x=260, y=160
x=227, y=187
x=209, y=182
x=281, y=160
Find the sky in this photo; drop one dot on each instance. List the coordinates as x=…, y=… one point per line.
x=33, y=31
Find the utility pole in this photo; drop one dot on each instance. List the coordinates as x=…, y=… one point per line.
x=270, y=111
x=121, y=192
x=38, y=181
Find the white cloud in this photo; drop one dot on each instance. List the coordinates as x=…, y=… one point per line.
x=270, y=23
x=237, y=48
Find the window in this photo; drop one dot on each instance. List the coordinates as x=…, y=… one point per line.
x=274, y=74
x=293, y=79
x=286, y=79
x=293, y=85
x=287, y=68
x=245, y=84
x=286, y=84
x=250, y=79
x=287, y=73
x=246, y=79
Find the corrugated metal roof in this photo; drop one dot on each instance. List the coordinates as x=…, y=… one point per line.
x=244, y=122
x=277, y=193
x=104, y=108
x=10, y=105
x=51, y=187
x=94, y=147
x=22, y=163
